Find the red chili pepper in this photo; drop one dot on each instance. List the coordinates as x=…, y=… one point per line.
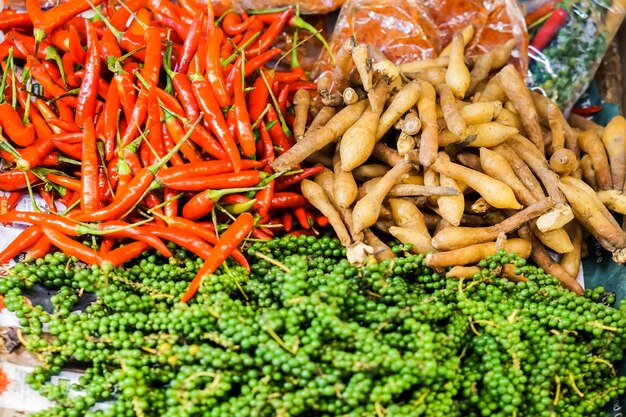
x=266, y=141
x=258, y=97
x=205, y=231
x=127, y=93
x=179, y=28
x=276, y=132
x=16, y=180
x=122, y=254
x=70, y=247
x=184, y=91
x=287, y=221
x=15, y=21
x=9, y=202
x=231, y=120
x=271, y=34
x=71, y=150
x=282, y=99
x=202, y=203
x=203, y=169
x=67, y=182
x=23, y=241
x=170, y=103
x=39, y=249
x=170, y=209
x=301, y=85
x=214, y=68
x=63, y=13
x=285, y=199
x=287, y=181
x=31, y=156
x=127, y=198
x=152, y=61
x=218, y=181
x=192, y=41
x=549, y=29
x=169, y=145
x=90, y=200
x=264, y=199
x=286, y=77
x=302, y=216
x=233, y=24
x=182, y=238
x=176, y=132
x=12, y=126
x=87, y=97
x=155, y=137
x=540, y=12
x=51, y=88
x=242, y=122
x=212, y=115
x=136, y=120
x=75, y=47
x=230, y=239
x=586, y=111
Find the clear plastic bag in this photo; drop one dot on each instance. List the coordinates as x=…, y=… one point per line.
x=306, y=6
x=409, y=30
x=568, y=41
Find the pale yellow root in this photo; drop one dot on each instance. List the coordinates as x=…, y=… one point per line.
x=591, y=144
x=519, y=95
x=563, y=161
x=469, y=160
x=343, y=58
x=420, y=243
x=314, y=140
x=614, y=200
x=493, y=91
x=475, y=253
x=457, y=74
x=497, y=166
x=400, y=104
x=483, y=112
x=542, y=104
x=344, y=188
x=497, y=193
x=487, y=134
x=467, y=32
x=360, y=56
x=301, y=104
x=359, y=140
x=367, y=209
x=570, y=261
x=542, y=257
x=457, y=237
x=369, y=171
x=588, y=210
x=588, y=173
x=381, y=250
x=557, y=240
x=322, y=117
x=315, y=194
x=465, y=272
x=426, y=106
x=508, y=118
x=485, y=63
x=451, y=113
x=614, y=140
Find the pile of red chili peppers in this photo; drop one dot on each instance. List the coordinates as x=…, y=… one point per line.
x=152, y=122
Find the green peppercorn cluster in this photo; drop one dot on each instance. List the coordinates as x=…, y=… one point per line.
x=307, y=334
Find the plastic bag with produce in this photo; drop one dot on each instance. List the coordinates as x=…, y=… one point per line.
x=409, y=30
x=568, y=40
